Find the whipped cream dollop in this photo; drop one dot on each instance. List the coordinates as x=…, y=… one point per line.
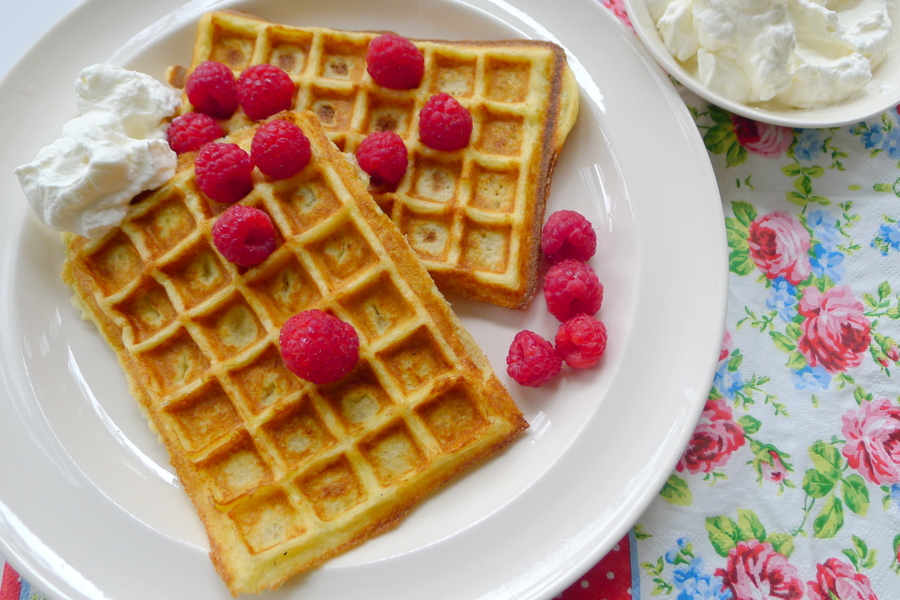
x=802, y=53
x=116, y=148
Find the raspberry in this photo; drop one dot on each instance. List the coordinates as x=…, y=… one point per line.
x=280, y=149
x=444, y=123
x=581, y=341
x=244, y=235
x=264, y=90
x=531, y=360
x=572, y=288
x=191, y=131
x=212, y=90
x=568, y=234
x=224, y=172
x=394, y=62
x=319, y=347
x=383, y=156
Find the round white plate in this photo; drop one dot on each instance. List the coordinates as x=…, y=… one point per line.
x=89, y=507
x=881, y=94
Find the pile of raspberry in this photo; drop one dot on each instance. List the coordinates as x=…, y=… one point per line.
x=573, y=294
x=395, y=62
x=244, y=235
x=215, y=93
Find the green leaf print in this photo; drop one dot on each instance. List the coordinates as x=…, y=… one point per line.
x=740, y=263
x=830, y=519
x=816, y=484
x=749, y=424
x=749, y=525
x=676, y=491
x=736, y=234
x=782, y=342
x=855, y=494
x=782, y=543
x=792, y=170
x=744, y=212
x=718, y=137
x=723, y=534
x=796, y=361
x=803, y=185
x=793, y=331
x=826, y=458
x=736, y=155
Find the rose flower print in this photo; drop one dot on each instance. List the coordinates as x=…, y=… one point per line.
x=755, y=571
x=716, y=438
x=762, y=138
x=836, y=580
x=873, y=441
x=779, y=245
x=836, y=332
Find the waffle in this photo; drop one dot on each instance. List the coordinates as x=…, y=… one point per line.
x=283, y=473
x=472, y=216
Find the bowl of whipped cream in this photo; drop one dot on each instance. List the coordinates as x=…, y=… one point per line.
x=795, y=63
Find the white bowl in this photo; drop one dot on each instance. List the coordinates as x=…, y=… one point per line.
x=881, y=94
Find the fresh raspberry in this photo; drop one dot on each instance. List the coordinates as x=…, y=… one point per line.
x=280, y=149
x=244, y=235
x=572, y=288
x=531, y=360
x=191, y=131
x=568, y=234
x=581, y=341
x=264, y=90
x=212, y=90
x=383, y=156
x=444, y=123
x=224, y=172
x=395, y=62
x=319, y=347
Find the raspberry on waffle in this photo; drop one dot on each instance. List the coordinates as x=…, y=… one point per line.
x=473, y=215
x=285, y=473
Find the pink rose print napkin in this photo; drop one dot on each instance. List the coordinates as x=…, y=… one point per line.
x=789, y=488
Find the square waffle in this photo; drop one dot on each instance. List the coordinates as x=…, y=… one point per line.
x=473, y=216
x=285, y=474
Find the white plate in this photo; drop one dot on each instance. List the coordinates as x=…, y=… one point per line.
x=881, y=94
x=89, y=507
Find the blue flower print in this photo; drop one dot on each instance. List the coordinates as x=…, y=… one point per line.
x=891, y=143
x=812, y=379
x=888, y=238
x=809, y=144
x=783, y=298
x=827, y=263
x=895, y=494
x=873, y=136
x=824, y=228
x=694, y=582
x=728, y=382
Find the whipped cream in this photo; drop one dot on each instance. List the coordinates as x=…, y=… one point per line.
x=84, y=181
x=802, y=53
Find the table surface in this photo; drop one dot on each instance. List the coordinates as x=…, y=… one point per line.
x=790, y=486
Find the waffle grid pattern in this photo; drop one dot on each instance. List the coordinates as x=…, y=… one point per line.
x=468, y=214
x=282, y=459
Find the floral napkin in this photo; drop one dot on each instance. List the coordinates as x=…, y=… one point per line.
x=790, y=486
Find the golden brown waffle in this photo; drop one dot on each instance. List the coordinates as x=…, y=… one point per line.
x=472, y=216
x=285, y=474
